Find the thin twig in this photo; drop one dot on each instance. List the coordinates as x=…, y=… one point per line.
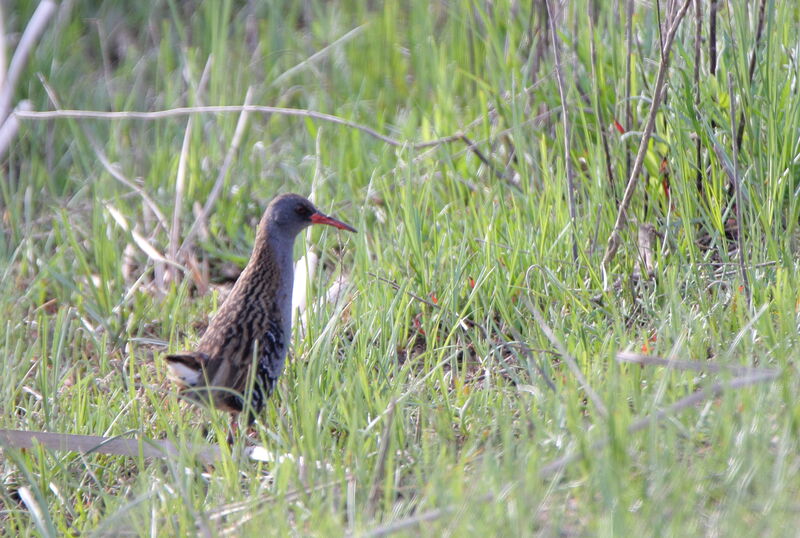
x=565, y=119
x=569, y=359
x=226, y=109
x=633, y=180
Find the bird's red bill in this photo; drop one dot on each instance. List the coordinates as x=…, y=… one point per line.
x=320, y=218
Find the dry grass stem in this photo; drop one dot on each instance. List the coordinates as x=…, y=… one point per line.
x=633, y=180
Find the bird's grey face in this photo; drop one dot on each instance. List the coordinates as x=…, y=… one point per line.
x=292, y=213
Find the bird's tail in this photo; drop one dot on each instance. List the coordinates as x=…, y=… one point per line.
x=187, y=368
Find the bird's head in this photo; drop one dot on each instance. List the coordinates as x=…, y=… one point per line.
x=289, y=214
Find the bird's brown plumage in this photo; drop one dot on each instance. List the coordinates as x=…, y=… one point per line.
x=253, y=326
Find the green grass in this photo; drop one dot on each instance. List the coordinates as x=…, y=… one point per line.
x=474, y=420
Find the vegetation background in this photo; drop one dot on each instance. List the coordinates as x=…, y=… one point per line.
x=441, y=390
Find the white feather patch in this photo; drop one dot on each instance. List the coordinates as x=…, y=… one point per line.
x=183, y=374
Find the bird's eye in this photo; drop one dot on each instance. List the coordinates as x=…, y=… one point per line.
x=303, y=211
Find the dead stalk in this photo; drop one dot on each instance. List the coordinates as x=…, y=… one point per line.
x=633, y=180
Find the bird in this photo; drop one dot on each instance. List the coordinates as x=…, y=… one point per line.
x=240, y=356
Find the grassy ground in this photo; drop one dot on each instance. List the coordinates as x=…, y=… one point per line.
x=474, y=238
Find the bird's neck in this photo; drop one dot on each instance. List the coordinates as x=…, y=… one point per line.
x=271, y=265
